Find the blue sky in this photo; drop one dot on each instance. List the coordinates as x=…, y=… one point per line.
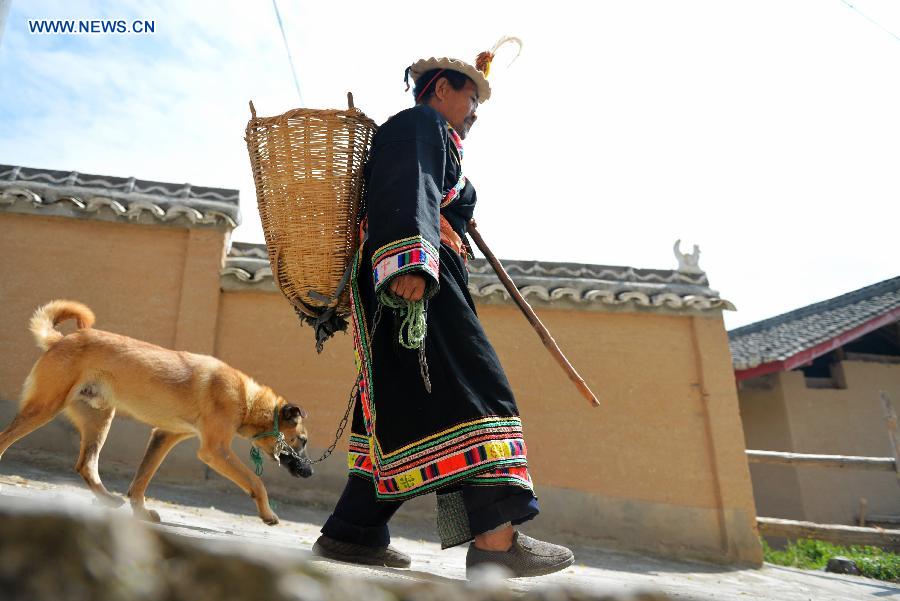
x=767, y=132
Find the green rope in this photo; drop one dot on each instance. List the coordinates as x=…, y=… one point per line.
x=255, y=455
x=256, y=458
x=414, y=324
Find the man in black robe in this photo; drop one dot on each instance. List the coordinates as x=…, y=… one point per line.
x=435, y=411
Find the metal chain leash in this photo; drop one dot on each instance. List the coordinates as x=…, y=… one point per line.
x=423, y=362
x=423, y=369
x=283, y=448
x=354, y=393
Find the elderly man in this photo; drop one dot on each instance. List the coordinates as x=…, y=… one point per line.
x=436, y=412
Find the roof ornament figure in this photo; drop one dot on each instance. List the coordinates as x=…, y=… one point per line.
x=688, y=262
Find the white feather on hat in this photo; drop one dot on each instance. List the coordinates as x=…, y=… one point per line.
x=478, y=73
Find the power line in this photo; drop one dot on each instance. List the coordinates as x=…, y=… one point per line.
x=288, y=50
x=868, y=18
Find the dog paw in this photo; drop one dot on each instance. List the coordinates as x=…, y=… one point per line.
x=271, y=520
x=149, y=515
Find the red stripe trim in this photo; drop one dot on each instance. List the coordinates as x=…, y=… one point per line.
x=417, y=245
x=804, y=357
x=440, y=454
x=428, y=85
x=464, y=439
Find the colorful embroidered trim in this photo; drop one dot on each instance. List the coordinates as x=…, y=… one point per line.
x=457, y=141
x=515, y=475
x=360, y=464
x=409, y=254
x=358, y=460
x=455, y=190
x=498, y=428
x=489, y=451
x=361, y=346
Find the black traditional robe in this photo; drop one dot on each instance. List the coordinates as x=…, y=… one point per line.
x=466, y=431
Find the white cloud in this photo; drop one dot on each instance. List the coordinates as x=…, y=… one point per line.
x=764, y=131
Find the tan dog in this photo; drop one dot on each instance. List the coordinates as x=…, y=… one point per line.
x=91, y=373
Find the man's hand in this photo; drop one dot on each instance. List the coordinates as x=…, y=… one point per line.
x=409, y=286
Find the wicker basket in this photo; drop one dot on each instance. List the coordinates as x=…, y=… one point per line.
x=307, y=166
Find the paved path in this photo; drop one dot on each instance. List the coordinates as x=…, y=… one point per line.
x=208, y=512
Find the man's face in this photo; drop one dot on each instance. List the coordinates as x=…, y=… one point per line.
x=457, y=106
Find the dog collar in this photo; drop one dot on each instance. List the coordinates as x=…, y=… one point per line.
x=281, y=445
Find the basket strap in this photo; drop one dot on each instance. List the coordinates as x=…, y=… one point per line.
x=323, y=298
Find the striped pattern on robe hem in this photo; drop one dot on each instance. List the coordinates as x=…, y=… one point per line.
x=488, y=463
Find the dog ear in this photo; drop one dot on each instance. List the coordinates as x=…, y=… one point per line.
x=289, y=413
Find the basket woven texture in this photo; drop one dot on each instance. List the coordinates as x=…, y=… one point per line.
x=307, y=166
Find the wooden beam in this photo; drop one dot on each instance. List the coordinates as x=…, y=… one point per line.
x=839, y=461
x=843, y=535
x=884, y=519
x=870, y=358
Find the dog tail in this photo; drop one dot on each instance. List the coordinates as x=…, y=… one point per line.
x=43, y=322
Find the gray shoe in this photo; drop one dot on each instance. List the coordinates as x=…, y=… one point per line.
x=353, y=553
x=526, y=557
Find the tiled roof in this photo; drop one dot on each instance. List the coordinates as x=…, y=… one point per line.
x=804, y=332
x=73, y=194
x=542, y=283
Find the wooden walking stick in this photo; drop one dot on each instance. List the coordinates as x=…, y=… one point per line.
x=526, y=309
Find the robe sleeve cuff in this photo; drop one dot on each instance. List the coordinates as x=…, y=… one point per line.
x=408, y=255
